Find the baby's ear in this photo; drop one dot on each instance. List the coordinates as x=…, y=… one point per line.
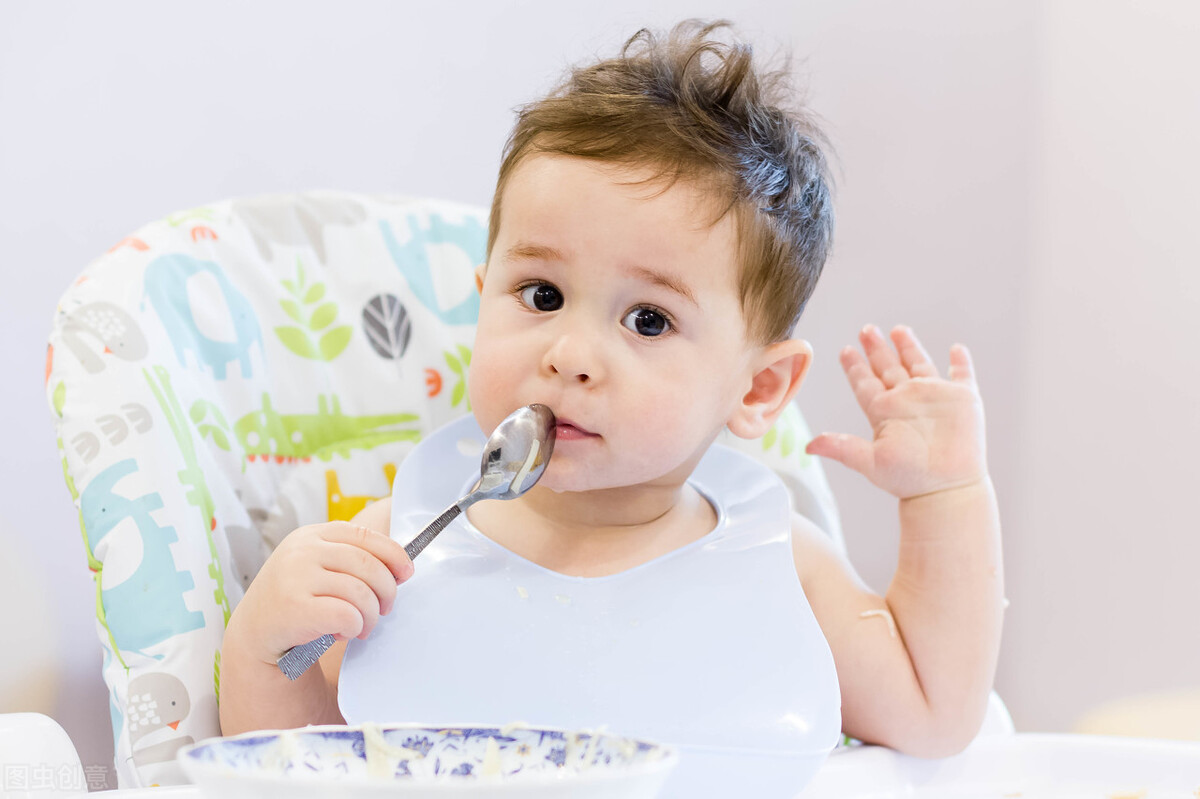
x=480, y=271
x=778, y=372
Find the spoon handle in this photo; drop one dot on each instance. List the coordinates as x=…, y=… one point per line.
x=422, y=539
x=296, y=660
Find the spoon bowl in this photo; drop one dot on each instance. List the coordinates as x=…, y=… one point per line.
x=516, y=454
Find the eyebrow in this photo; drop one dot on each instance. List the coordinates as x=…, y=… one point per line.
x=527, y=251
x=666, y=281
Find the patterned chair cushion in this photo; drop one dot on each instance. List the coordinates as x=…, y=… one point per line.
x=232, y=372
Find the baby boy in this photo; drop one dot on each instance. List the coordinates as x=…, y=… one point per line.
x=659, y=222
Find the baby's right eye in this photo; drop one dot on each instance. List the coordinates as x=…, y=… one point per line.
x=542, y=297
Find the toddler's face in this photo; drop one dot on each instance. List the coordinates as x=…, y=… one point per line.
x=619, y=310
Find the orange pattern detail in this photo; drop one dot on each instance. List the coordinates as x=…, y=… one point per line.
x=131, y=241
x=433, y=382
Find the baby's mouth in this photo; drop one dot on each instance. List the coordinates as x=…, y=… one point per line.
x=566, y=430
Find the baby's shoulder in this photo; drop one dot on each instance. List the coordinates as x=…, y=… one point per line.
x=813, y=551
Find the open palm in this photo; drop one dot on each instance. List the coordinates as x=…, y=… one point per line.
x=928, y=430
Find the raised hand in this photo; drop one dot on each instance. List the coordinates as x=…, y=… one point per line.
x=928, y=430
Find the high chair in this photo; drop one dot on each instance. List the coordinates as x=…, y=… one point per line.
x=232, y=372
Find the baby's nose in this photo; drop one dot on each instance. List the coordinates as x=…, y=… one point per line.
x=582, y=377
x=575, y=357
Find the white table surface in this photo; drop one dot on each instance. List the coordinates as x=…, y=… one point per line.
x=1029, y=765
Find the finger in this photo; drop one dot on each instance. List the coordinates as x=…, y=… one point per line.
x=850, y=451
x=390, y=552
x=884, y=360
x=359, y=563
x=962, y=369
x=914, y=357
x=331, y=615
x=863, y=381
x=355, y=595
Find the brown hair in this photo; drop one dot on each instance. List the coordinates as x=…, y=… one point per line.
x=694, y=108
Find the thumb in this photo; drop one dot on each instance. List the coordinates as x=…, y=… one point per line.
x=850, y=451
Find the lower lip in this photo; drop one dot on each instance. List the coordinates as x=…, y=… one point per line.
x=566, y=432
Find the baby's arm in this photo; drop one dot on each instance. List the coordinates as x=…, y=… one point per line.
x=338, y=578
x=916, y=665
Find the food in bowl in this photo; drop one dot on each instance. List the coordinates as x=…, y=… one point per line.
x=412, y=760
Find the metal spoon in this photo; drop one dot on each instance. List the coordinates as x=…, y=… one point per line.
x=513, y=460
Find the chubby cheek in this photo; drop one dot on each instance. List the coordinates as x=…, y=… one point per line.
x=487, y=389
x=662, y=427
x=660, y=434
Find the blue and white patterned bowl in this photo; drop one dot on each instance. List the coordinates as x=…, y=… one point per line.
x=413, y=760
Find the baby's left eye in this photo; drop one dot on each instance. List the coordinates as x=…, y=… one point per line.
x=646, y=322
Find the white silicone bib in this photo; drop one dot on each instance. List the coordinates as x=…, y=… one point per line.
x=712, y=648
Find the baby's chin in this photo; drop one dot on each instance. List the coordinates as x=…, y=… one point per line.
x=571, y=480
x=564, y=477
x=569, y=484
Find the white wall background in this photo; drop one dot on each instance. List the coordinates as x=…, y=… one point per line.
x=1104, y=524
x=1020, y=176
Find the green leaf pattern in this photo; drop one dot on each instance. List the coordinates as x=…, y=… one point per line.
x=293, y=310
x=789, y=435
x=323, y=316
x=458, y=365
x=60, y=397
x=307, y=340
x=333, y=342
